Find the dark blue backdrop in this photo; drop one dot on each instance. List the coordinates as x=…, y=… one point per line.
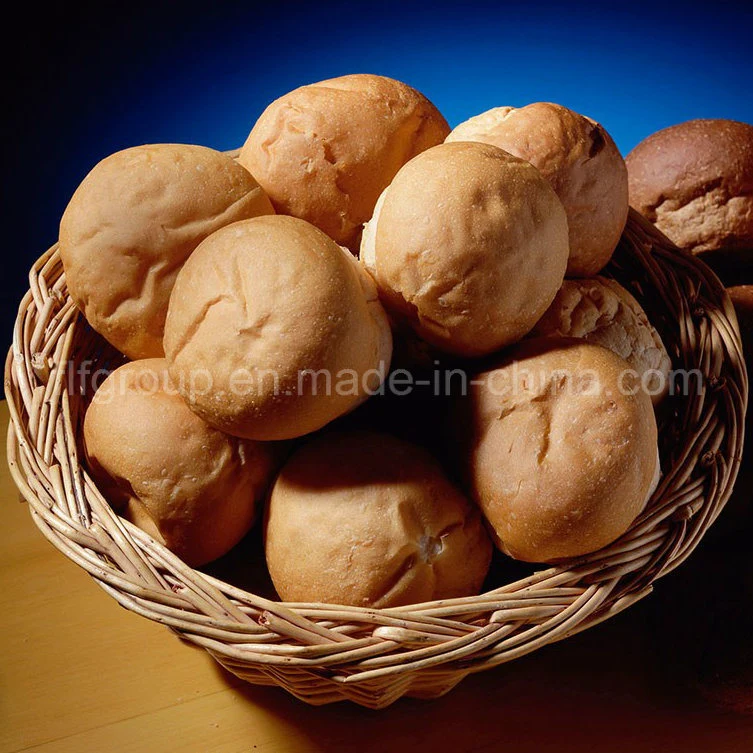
x=89, y=81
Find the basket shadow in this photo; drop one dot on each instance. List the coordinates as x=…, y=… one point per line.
x=618, y=688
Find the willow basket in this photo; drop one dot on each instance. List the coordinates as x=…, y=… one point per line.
x=323, y=653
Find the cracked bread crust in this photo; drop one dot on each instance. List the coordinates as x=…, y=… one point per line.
x=133, y=222
x=694, y=181
x=258, y=304
x=366, y=519
x=602, y=312
x=582, y=164
x=324, y=152
x=468, y=246
x=559, y=468
x=191, y=487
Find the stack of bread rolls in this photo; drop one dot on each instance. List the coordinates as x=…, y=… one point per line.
x=258, y=298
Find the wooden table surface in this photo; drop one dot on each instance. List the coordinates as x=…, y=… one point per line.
x=79, y=673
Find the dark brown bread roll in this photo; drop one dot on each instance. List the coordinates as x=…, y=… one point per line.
x=694, y=181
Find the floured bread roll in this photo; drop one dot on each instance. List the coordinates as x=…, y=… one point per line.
x=580, y=161
x=131, y=224
x=601, y=311
x=366, y=519
x=468, y=245
x=562, y=449
x=274, y=330
x=324, y=152
x=191, y=487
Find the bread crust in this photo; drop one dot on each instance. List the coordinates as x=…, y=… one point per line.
x=694, y=181
x=600, y=311
x=468, y=246
x=558, y=468
x=582, y=164
x=324, y=152
x=193, y=488
x=133, y=222
x=260, y=314
x=366, y=519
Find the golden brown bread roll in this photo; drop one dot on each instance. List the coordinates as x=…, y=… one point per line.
x=191, y=487
x=324, y=152
x=369, y=520
x=580, y=161
x=600, y=311
x=562, y=457
x=468, y=245
x=131, y=224
x=274, y=330
x=694, y=181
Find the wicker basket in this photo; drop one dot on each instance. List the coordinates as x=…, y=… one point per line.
x=323, y=653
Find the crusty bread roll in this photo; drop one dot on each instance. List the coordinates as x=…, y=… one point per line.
x=694, y=181
x=273, y=330
x=580, y=161
x=600, y=311
x=325, y=152
x=468, y=245
x=132, y=223
x=562, y=451
x=366, y=519
x=193, y=488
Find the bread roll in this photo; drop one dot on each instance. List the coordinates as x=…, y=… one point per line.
x=325, y=152
x=191, y=487
x=368, y=520
x=580, y=161
x=601, y=311
x=694, y=181
x=562, y=452
x=468, y=245
x=131, y=224
x=273, y=330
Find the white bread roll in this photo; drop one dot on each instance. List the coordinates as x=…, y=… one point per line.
x=580, y=161
x=468, y=245
x=600, y=311
x=562, y=456
x=324, y=152
x=274, y=330
x=191, y=487
x=131, y=224
x=369, y=520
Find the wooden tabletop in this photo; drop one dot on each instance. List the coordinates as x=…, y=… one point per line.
x=79, y=673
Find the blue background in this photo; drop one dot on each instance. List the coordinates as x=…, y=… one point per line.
x=88, y=81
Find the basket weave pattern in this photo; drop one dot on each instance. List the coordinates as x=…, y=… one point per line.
x=323, y=653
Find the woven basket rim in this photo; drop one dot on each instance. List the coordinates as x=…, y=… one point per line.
x=324, y=652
